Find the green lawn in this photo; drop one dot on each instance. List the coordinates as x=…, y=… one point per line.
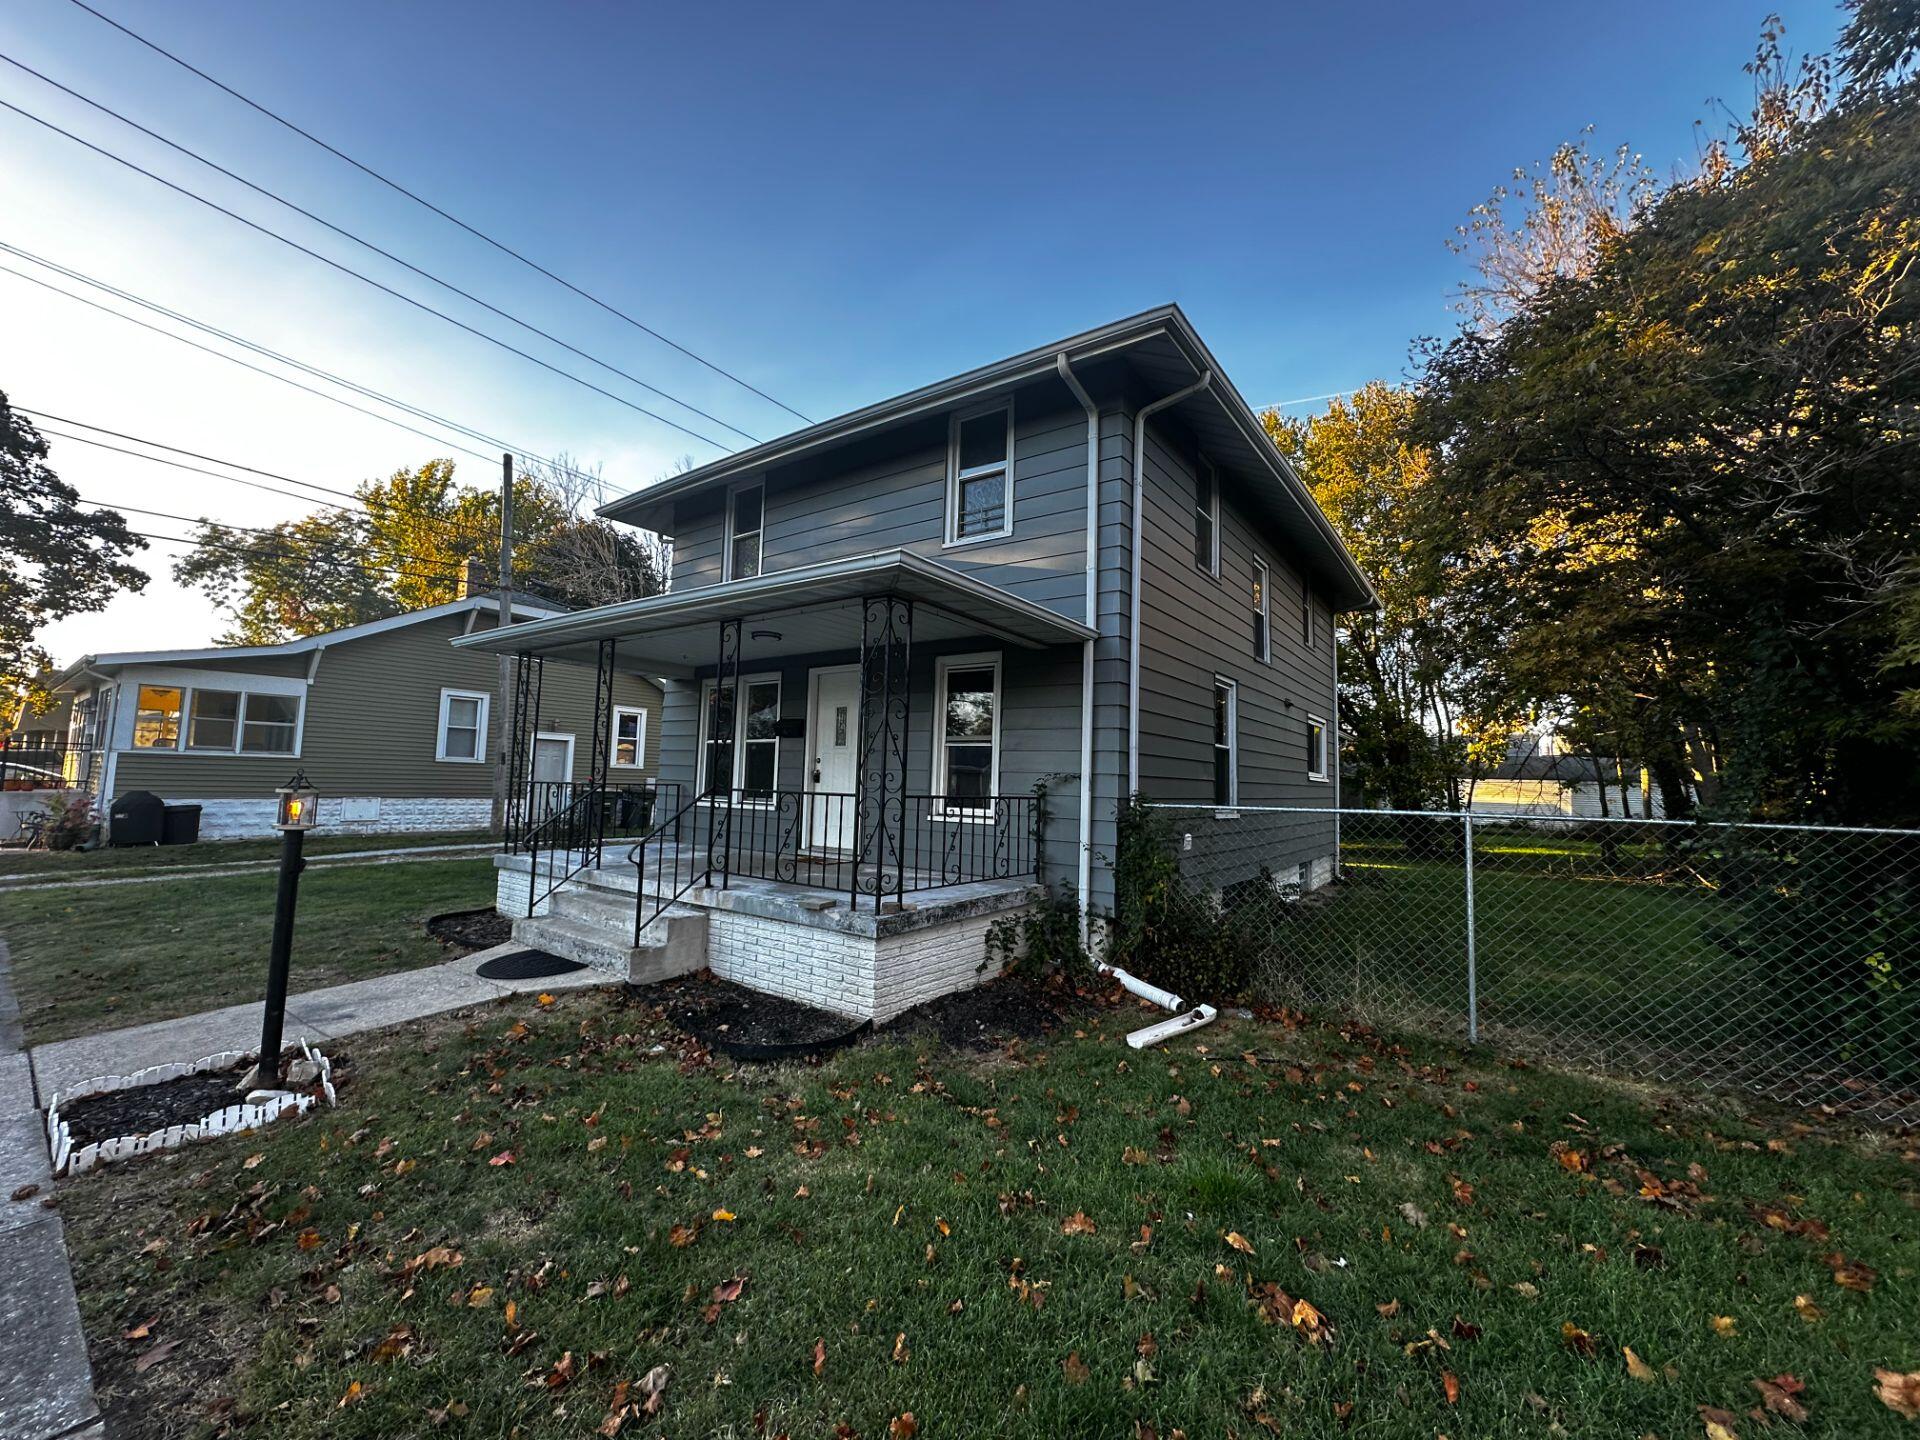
x=515, y=1216
x=86, y=960
x=83, y=864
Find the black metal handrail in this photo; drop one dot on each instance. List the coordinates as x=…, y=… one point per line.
x=572, y=838
x=675, y=824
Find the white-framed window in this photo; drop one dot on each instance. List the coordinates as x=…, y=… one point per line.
x=213, y=720
x=629, y=736
x=463, y=727
x=1262, y=638
x=980, y=475
x=746, y=520
x=1226, y=743
x=966, y=735
x=1206, y=517
x=269, y=724
x=1306, y=614
x=1316, y=748
x=756, y=739
x=156, y=717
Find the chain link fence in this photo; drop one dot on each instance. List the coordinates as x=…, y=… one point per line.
x=1785, y=959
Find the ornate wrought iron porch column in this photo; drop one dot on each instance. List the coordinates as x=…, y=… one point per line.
x=527, y=677
x=880, y=784
x=602, y=746
x=720, y=734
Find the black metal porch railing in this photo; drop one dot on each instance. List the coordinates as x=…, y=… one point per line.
x=43, y=762
x=566, y=824
x=810, y=838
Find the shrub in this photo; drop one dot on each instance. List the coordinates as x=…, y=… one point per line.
x=71, y=819
x=1185, y=938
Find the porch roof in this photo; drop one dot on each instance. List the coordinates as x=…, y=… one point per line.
x=807, y=610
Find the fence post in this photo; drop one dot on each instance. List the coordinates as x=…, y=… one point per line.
x=1473, y=976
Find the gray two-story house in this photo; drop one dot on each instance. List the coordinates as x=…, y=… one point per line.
x=917, y=655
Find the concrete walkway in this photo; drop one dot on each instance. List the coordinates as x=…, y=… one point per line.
x=46, y=1383
x=409, y=854
x=314, y=1015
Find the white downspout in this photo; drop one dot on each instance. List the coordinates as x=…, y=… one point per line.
x=1133, y=588
x=1333, y=739
x=1086, y=648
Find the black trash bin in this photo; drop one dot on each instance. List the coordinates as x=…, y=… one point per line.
x=181, y=826
x=136, y=818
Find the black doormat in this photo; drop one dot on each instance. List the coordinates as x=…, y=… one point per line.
x=526, y=965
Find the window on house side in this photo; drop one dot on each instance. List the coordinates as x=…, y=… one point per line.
x=1206, y=517
x=1306, y=614
x=1262, y=650
x=1226, y=747
x=213, y=720
x=268, y=725
x=463, y=726
x=629, y=736
x=968, y=762
x=756, y=741
x=1316, y=748
x=746, y=508
x=979, y=497
x=156, y=718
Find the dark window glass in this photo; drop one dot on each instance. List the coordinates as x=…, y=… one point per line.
x=269, y=725
x=983, y=505
x=215, y=720
x=983, y=441
x=1222, y=744
x=968, y=721
x=1260, y=610
x=1206, y=499
x=744, y=556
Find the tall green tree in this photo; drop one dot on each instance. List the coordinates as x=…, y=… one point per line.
x=1679, y=488
x=56, y=559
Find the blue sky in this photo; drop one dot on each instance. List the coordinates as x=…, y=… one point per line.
x=836, y=202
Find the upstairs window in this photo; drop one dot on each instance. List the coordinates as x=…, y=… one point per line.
x=1262, y=647
x=156, y=719
x=745, y=511
x=967, y=744
x=1226, y=745
x=1306, y=614
x=1206, y=518
x=979, y=490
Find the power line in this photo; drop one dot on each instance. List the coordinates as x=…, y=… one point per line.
x=444, y=215
x=376, y=249
x=365, y=279
x=191, y=454
x=366, y=569
x=255, y=347
x=197, y=470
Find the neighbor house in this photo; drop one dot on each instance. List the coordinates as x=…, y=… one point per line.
x=1540, y=776
x=917, y=656
x=399, y=730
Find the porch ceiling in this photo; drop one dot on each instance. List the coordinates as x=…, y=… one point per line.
x=810, y=609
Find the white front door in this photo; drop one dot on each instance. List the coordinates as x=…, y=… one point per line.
x=833, y=739
x=552, y=770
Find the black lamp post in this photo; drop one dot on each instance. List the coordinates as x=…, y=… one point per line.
x=298, y=810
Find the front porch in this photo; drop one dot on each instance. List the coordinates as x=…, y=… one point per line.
x=860, y=766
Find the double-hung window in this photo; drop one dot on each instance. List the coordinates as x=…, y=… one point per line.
x=1206, y=517
x=268, y=724
x=746, y=512
x=156, y=718
x=463, y=726
x=629, y=736
x=213, y=720
x=756, y=740
x=1226, y=745
x=1316, y=748
x=980, y=475
x=966, y=757
x=1262, y=646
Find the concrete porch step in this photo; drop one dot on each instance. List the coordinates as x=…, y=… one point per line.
x=593, y=923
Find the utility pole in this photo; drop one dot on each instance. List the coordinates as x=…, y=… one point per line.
x=506, y=664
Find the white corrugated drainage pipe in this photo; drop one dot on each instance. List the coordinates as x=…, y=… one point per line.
x=1186, y=1017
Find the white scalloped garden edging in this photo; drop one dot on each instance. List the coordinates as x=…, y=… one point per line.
x=230, y=1120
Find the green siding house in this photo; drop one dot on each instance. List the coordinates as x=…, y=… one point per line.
x=396, y=727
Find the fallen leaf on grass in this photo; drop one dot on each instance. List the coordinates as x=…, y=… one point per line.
x=724, y=1293
x=1725, y=1326
x=356, y=1392
x=1078, y=1224
x=439, y=1257
x=1806, y=1308
x=1239, y=1242
x=252, y=1160
x=819, y=1356
x=680, y=1236
x=153, y=1357
x=724, y=1217
x=505, y=1157
x=1899, y=1393
x=1075, y=1369
x=903, y=1427
x=1781, y=1395
x=1578, y=1340
x=653, y=1389
x=1388, y=1310
x=397, y=1344
x=900, y=1352
x=1851, y=1274
x=1719, y=1423
x=1414, y=1215
x=1451, y=1384
x=561, y=1373
x=1638, y=1368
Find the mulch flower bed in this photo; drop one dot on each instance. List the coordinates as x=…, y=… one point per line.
x=470, y=930
x=745, y=1023
x=144, y=1108
x=988, y=1016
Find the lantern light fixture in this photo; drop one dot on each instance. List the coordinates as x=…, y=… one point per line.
x=299, y=807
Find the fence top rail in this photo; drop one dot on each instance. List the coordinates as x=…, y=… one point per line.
x=1483, y=817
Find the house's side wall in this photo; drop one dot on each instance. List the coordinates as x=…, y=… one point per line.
x=371, y=730
x=1039, y=734
x=896, y=499
x=1195, y=627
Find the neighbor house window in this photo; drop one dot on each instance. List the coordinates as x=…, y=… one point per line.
x=746, y=511
x=1206, y=517
x=463, y=726
x=1262, y=649
x=269, y=723
x=213, y=720
x=966, y=760
x=156, y=719
x=629, y=736
x=1316, y=748
x=1226, y=747
x=979, y=487
x=1306, y=614
x=756, y=737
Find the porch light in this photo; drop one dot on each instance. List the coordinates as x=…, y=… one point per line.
x=299, y=804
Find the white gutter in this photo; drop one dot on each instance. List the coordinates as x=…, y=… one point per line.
x=1133, y=589
x=1186, y=1017
x=1086, y=646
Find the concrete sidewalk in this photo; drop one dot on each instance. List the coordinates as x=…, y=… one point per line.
x=315, y=1015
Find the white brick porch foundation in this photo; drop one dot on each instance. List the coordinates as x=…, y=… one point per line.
x=230, y=819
